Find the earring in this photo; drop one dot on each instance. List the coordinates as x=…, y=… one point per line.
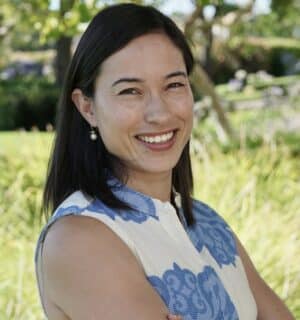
x=93, y=134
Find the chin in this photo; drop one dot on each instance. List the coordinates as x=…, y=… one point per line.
x=159, y=168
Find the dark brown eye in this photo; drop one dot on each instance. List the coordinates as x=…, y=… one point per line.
x=129, y=91
x=175, y=85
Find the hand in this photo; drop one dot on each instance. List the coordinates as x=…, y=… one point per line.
x=174, y=317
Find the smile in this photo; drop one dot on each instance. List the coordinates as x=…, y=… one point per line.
x=157, y=138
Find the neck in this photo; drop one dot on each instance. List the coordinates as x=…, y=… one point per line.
x=154, y=185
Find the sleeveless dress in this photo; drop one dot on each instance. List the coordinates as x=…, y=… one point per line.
x=195, y=270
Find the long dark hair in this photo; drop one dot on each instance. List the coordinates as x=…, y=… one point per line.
x=77, y=163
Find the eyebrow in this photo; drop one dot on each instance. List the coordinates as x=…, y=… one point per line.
x=176, y=74
x=126, y=80
x=168, y=76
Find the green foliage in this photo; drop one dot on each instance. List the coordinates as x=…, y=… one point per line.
x=27, y=102
x=65, y=23
x=209, y=2
x=255, y=187
x=277, y=29
x=67, y=19
x=23, y=159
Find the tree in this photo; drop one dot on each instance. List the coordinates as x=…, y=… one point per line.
x=59, y=24
x=225, y=32
x=199, y=30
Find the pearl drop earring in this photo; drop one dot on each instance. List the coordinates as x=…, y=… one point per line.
x=93, y=134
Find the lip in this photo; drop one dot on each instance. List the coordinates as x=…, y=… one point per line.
x=162, y=146
x=153, y=134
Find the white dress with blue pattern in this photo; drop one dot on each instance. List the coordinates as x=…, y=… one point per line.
x=195, y=270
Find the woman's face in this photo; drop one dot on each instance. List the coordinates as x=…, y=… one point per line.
x=143, y=104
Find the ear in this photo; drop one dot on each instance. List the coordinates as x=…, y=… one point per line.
x=85, y=106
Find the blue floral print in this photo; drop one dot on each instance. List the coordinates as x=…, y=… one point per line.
x=194, y=297
x=212, y=232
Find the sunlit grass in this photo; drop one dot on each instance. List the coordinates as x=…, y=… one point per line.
x=23, y=158
x=255, y=189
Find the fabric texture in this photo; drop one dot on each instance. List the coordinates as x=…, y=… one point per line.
x=196, y=270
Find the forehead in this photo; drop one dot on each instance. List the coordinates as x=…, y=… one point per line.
x=145, y=55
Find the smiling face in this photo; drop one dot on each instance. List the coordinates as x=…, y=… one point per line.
x=143, y=105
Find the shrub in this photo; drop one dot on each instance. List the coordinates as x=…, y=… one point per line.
x=27, y=102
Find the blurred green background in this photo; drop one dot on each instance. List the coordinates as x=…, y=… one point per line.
x=245, y=143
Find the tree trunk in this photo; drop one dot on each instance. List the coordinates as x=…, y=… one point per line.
x=201, y=79
x=63, y=45
x=202, y=82
x=208, y=63
x=63, y=57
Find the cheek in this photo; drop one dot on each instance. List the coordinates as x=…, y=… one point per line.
x=117, y=119
x=184, y=107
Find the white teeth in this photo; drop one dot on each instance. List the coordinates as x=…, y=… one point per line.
x=158, y=139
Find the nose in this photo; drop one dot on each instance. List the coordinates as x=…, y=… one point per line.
x=157, y=110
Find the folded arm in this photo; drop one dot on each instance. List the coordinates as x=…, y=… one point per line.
x=269, y=305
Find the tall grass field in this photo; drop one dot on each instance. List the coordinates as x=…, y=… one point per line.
x=256, y=189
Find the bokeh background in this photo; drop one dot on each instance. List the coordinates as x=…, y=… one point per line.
x=246, y=138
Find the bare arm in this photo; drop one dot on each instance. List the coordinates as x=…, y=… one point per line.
x=89, y=273
x=269, y=305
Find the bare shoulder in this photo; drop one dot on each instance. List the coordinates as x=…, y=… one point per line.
x=81, y=235
x=90, y=273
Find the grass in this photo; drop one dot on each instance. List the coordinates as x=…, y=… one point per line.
x=23, y=158
x=254, y=186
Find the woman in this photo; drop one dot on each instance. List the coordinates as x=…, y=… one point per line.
x=126, y=238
